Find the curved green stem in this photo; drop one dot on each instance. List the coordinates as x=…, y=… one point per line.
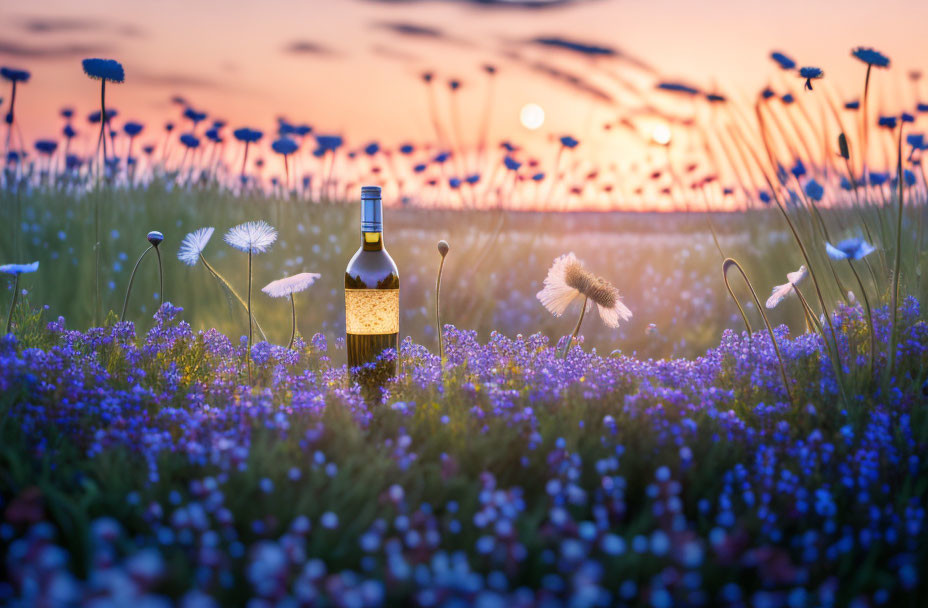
x=228, y=286
x=125, y=302
x=9, y=318
x=576, y=328
x=441, y=352
x=292, y=322
x=894, y=296
x=728, y=263
x=160, y=278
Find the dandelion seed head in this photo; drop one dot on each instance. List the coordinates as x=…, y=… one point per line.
x=254, y=237
x=567, y=279
x=281, y=288
x=194, y=244
x=104, y=69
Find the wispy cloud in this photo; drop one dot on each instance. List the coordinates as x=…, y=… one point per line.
x=177, y=80
x=50, y=51
x=307, y=47
x=521, y=4
x=418, y=31
x=70, y=25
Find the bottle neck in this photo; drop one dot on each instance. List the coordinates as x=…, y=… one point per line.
x=371, y=241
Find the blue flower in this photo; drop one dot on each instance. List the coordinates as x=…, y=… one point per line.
x=407, y=149
x=888, y=122
x=472, y=179
x=133, y=128
x=246, y=135
x=538, y=177
x=419, y=168
x=19, y=268
x=67, y=113
x=372, y=148
x=284, y=146
x=764, y=197
x=788, y=98
x=871, y=57
x=454, y=182
x=442, y=157
x=922, y=107
x=14, y=75
x=715, y=98
x=877, y=178
x=104, y=69
x=155, y=237
x=190, y=140
x=846, y=184
x=213, y=135
x=511, y=163
x=814, y=190
x=850, y=249
x=810, y=74
x=798, y=169
x=785, y=63
x=569, y=142
x=906, y=117
x=576, y=46
x=46, y=146
x=454, y=84
x=767, y=93
x=194, y=116
x=329, y=142
x=852, y=105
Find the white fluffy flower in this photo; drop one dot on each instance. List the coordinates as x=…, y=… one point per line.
x=781, y=291
x=281, y=288
x=19, y=268
x=567, y=279
x=254, y=237
x=193, y=245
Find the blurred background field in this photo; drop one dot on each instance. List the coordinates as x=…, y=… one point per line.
x=666, y=265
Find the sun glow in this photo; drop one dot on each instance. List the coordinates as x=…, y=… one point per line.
x=532, y=116
x=661, y=134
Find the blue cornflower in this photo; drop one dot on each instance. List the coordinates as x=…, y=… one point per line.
x=785, y=63
x=329, y=142
x=511, y=163
x=850, y=249
x=407, y=149
x=767, y=93
x=906, y=117
x=788, y=98
x=67, y=113
x=190, y=140
x=764, y=197
x=284, y=146
x=46, y=146
x=810, y=74
x=454, y=84
x=194, y=116
x=908, y=176
x=14, y=75
x=814, y=190
x=454, y=182
x=442, y=157
x=104, y=69
x=472, y=179
x=922, y=107
x=715, y=98
x=877, y=178
x=419, y=168
x=569, y=142
x=19, y=268
x=538, y=177
x=303, y=130
x=246, y=135
x=852, y=105
x=213, y=135
x=871, y=57
x=846, y=184
x=68, y=131
x=798, y=169
x=888, y=122
x=372, y=148
x=133, y=128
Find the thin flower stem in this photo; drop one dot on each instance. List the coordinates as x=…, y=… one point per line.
x=250, y=332
x=125, y=302
x=744, y=317
x=810, y=315
x=292, y=322
x=160, y=279
x=441, y=352
x=576, y=328
x=728, y=263
x=898, y=260
x=228, y=286
x=9, y=318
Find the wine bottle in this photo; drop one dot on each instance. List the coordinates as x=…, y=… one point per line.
x=372, y=295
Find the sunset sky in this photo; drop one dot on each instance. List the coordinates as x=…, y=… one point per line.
x=347, y=66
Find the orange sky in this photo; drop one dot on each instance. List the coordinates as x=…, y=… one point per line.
x=229, y=59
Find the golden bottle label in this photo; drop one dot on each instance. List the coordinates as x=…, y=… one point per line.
x=372, y=311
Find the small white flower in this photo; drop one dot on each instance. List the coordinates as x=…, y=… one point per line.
x=254, y=237
x=781, y=291
x=193, y=245
x=567, y=280
x=19, y=268
x=281, y=288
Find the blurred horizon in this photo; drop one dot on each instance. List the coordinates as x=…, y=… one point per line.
x=354, y=68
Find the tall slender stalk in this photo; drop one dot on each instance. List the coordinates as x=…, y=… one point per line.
x=863, y=293
x=292, y=321
x=160, y=278
x=576, y=328
x=125, y=302
x=443, y=249
x=228, y=286
x=897, y=263
x=9, y=318
x=728, y=263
